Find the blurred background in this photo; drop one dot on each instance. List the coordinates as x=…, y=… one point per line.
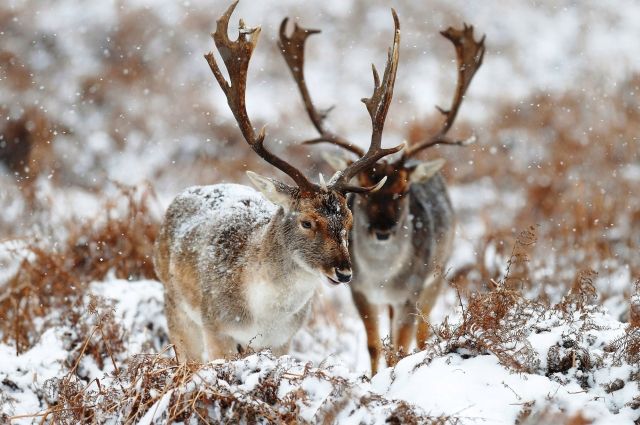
x=104, y=95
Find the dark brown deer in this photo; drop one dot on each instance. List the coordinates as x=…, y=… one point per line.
x=404, y=231
x=240, y=267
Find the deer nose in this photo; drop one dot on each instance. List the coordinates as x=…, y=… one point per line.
x=343, y=275
x=382, y=235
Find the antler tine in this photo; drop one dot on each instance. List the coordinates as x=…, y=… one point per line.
x=469, y=56
x=236, y=56
x=378, y=106
x=292, y=49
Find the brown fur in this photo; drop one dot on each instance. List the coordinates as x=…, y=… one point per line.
x=399, y=272
x=239, y=270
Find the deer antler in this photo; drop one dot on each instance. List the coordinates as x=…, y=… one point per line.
x=236, y=56
x=469, y=54
x=378, y=106
x=292, y=49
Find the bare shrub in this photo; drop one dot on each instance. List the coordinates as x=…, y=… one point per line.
x=582, y=292
x=26, y=146
x=211, y=392
x=555, y=149
x=115, y=241
x=497, y=321
x=634, y=306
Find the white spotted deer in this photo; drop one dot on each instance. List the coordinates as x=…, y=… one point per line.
x=402, y=233
x=240, y=266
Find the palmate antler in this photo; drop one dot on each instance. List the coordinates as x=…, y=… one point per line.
x=292, y=48
x=378, y=107
x=469, y=55
x=236, y=56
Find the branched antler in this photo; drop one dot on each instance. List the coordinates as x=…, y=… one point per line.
x=236, y=56
x=469, y=55
x=378, y=106
x=292, y=49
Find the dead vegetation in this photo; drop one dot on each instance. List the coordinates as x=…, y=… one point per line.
x=497, y=317
x=119, y=241
x=158, y=387
x=569, y=155
x=573, y=169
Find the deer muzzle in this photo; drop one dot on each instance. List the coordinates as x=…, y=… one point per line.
x=343, y=275
x=339, y=275
x=382, y=235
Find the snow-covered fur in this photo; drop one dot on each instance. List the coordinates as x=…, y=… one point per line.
x=239, y=270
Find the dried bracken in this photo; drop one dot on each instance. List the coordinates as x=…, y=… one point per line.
x=496, y=322
x=257, y=388
x=634, y=306
x=563, y=161
x=120, y=241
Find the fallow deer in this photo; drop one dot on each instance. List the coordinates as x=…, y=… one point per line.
x=403, y=232
x=240, y=266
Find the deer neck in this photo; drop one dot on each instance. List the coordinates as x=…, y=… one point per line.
x=277, y=282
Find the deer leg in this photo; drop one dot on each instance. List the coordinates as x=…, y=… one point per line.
x=369, y=314
x=282, y=350
x=218, y=345
x=185, y=334
x=426, y=302
x=391, y=333
x=403, y=330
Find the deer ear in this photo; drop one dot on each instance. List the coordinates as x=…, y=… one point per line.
x=337, y=162
x=275, y=191
x=425, y=170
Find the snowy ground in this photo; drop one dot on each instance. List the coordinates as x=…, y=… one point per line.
x=126, y=97
x=576, y=367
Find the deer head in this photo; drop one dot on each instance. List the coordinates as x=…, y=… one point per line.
x=387, y=207
x=314, y=218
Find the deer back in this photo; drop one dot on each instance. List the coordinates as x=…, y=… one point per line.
x=208, y=232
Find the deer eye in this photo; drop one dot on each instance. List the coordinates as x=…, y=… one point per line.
x=306, y=224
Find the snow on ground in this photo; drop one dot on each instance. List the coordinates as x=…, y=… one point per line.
x=157, y=125
x=479, y=388
x=468, y=386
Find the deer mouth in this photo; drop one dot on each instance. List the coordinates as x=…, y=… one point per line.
x=332, y=281
x=381, y=235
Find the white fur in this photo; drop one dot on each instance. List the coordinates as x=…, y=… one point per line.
x=192, y=313
x=268, y=188
x=272, y=306
x=374, y=266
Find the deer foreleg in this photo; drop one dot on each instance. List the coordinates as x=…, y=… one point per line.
x=369, y=314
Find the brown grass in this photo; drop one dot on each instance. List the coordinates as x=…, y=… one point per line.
x=138, y=384
x=500, y=319
x=50, y=281
x=573, y=216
